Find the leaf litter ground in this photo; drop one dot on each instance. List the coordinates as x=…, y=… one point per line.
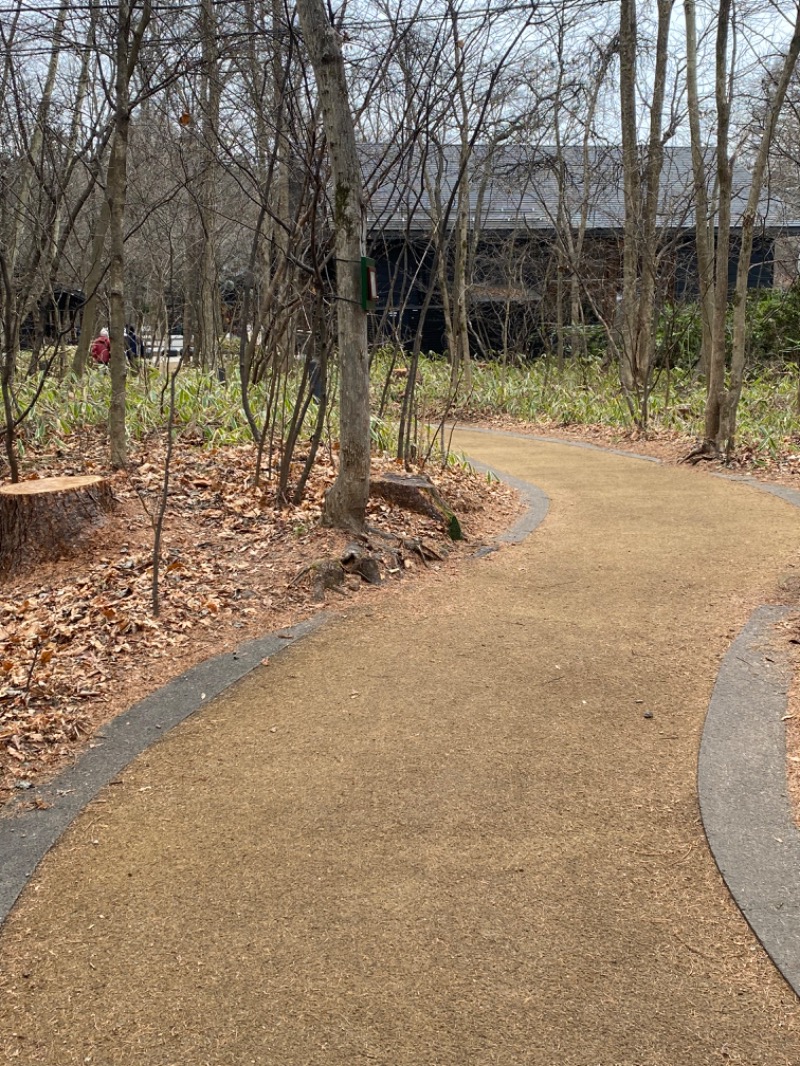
x=78, y=640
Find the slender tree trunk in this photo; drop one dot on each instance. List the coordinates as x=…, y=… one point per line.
x=286, y=332
x=116, y=191
x=728, y=428
x=716, y=366
x=346, y=500
x=37, y=140
x=128, y=44
x=645, y=331
x=704, y=236
x=632, y=198
x=91, y=287
x=8, y=365
x=117, y=185
x=208, y=308
x=462, y=363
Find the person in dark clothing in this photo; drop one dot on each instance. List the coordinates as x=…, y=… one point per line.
x=132, y=348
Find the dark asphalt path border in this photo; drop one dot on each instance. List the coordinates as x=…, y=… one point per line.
x=537, y=505
x=741, y=767
x=26, y=837
x=742, y=787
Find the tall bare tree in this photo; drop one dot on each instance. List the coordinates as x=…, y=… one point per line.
x=725, y=379
x=128, y=43
x=642, y=173
x=346, y=500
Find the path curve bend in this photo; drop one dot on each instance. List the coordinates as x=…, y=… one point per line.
x=459, y=828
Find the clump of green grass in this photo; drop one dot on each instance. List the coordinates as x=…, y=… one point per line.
x=204, y=406
x=590, y=394
x=582, y=393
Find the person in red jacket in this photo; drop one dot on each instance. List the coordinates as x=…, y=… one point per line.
x=101, y=348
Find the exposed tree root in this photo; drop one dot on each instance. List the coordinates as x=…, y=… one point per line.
x=704, y=452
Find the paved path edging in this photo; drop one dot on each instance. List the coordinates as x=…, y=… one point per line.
x=741, y=780
x=26, y=838
x=537, y=505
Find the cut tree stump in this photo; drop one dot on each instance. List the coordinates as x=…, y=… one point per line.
x=324, y=575
x=44, y=519
x=417, y=493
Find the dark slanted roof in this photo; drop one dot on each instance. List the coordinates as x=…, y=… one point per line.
x=516, y=188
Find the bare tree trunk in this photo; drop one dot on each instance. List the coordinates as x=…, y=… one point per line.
x=645, y=335
x=703, y=234
x=117, y=184
x=158, y=524
x=208, y=309
x=640, y=251
x=8, y=366
x=128, y=44
x=346, y=500
x=461, y=361
x=286, y=333
x=37, y=140
x=632, y=198
x=716, y=366
x=91, y=285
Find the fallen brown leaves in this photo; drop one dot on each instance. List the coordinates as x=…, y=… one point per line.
x=78, y=640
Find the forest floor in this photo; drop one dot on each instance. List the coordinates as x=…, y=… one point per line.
x=78, y=639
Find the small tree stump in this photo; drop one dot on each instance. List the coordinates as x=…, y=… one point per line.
x=417, y=493
x=44, y=519
x=325, y=575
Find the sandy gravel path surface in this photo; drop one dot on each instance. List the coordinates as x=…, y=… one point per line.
x=440, y=831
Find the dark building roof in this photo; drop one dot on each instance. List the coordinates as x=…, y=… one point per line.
x=516, y=188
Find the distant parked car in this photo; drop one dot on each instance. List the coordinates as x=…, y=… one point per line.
x=163, y=347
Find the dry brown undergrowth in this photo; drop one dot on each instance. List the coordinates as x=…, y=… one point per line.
x=78, y=641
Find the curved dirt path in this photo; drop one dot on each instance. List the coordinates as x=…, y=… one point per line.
x=439, y=832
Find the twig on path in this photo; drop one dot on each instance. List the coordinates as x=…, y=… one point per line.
x=36, y=651
x=696, y=951
x=680, y=862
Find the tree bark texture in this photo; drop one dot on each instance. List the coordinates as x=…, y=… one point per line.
x=37, y=140
x=704, y=234
x=632, y=197
x=717, y=359
x=641, y=192
x=346, y=500
x=91, y=287
x=209, y=324
x=648, y=258
x=128, y=44
x=44, y=519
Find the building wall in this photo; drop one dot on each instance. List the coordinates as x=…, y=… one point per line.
x=515, y=282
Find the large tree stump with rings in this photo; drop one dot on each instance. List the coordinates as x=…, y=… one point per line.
x=46, y=518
